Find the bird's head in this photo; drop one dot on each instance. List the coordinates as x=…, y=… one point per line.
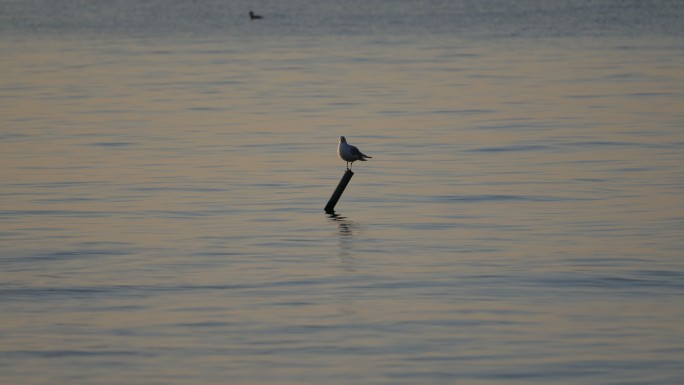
x=343, y=139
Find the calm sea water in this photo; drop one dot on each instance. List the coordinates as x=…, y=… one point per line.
x=165, y=165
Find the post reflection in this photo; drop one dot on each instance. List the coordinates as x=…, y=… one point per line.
x=347, y=231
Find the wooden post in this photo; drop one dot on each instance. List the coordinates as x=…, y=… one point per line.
x=330, y=207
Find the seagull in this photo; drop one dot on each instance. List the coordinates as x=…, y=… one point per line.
x=350, y=153
x=252, y=16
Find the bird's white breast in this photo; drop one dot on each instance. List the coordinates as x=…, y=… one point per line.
x=344, y=151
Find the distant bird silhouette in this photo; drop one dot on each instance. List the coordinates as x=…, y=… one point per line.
x=252, y=16
x=350, y=153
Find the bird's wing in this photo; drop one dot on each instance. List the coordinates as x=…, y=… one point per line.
x=355, y=151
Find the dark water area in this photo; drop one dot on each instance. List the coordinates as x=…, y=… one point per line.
x=165, y=165
x=466, y=18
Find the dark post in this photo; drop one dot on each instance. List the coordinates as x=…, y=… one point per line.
x=330, y=207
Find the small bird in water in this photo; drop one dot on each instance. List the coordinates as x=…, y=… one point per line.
x=350, y=153
x=253, y=16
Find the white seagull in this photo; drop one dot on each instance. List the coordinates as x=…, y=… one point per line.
x=350, y=153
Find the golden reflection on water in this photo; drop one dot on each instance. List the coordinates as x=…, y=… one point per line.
x=129, y=116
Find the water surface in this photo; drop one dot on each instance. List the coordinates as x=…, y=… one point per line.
x=164, y=178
